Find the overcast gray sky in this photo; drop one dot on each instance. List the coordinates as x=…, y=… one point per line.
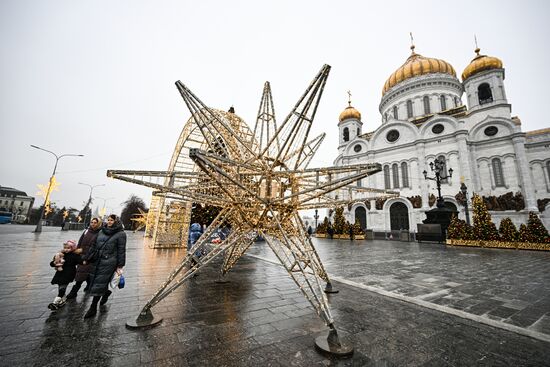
x=97, y=77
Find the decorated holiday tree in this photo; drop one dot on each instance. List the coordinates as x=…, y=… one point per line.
x=508, y=231
x=459, y=229
x=537, y=231
x=357, y=230
x=339, y=221
x=455, y=229
x=484, y=228
x=524, y=235
x=322, y=228
x=346, y=228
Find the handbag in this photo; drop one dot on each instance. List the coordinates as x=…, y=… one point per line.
x=121, y=282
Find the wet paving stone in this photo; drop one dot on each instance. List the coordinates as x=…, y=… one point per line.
x=259, y=318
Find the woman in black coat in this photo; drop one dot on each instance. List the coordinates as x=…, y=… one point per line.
x=109, y=256
x=87, y=239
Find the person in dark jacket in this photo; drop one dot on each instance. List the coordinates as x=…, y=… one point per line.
x=195, y=231
x=65, y=267
x=85, y=242
x=108, y=254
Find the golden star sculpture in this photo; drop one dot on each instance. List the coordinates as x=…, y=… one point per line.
x=260, y=180
x=140, y=220
x=65, y=214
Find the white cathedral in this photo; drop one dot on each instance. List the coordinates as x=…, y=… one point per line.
x=423, y=119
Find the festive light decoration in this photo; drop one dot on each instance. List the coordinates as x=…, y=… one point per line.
x=140, y=220
x=46, y=190
x=47, y=209
x=484, y=228
x=260, y=180
x=65, y=214
x=79, y=219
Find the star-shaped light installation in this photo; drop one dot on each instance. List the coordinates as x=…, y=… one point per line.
x=260, y=180
x=65, y=214
x=140, y=220
x=46, y=190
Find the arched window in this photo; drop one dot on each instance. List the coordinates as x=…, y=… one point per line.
x=385, y=116
x=548, y=168
x=387, y=183
x=427, y=105
x=395, y=174
x=456, y=102
x=395, y=114
x=497, y=172
x=358, y=132
x=443, y=102
x=443, y=173
x=346, y=134
x=409, y=109
x=359, y=183
x=484, y=93
x=404, y=174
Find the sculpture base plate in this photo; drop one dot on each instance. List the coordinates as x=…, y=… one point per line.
x=144, y=322
x=338, y=349
x=329, y=289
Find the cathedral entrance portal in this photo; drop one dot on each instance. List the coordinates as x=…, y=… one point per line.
x=361, y=217
x=399, y=216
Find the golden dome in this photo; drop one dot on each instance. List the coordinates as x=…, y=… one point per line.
x=417, y=65
x=481, y=63
x=350, y=113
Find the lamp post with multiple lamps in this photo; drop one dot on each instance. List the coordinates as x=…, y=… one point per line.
x=437, y=167
x=38, y=228
x=440, y=214
x=86, y=207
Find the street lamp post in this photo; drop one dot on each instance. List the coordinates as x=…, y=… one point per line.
x=316, y=216
x=464, y=191
x=38, y=228
x=86, y=221
x=437, y=167
x=103, y=208
x=440, y=214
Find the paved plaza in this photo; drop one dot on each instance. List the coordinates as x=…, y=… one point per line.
x=400, y=304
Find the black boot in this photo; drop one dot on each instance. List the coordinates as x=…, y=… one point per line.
x=93, y=308
x=91, y=312
x=74, y=290
x=105, y=297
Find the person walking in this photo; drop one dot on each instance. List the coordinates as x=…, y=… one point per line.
x=195, y=231
x=108, y=254
x=65, y=263
x=87, y=239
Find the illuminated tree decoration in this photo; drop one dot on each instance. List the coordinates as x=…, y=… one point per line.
x=484, y=228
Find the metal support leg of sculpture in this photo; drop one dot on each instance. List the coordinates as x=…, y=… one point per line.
x=300, y=265
x=146, y=318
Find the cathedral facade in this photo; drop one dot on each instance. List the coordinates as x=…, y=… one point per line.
x=423, y=119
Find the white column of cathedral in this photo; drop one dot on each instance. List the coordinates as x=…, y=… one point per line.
x=465, y=164
x=527, y=187
x=421, y=154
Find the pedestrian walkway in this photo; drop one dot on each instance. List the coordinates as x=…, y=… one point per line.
x=504, y=288
x=259, y=318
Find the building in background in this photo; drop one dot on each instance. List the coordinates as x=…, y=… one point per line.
x=17, y=202
x=424, y=118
